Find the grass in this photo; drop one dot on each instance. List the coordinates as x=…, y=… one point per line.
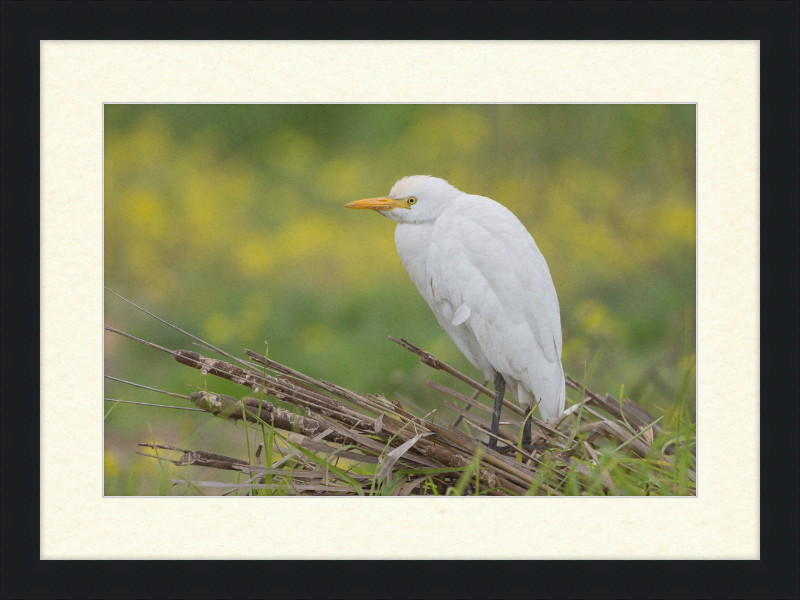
x=336, y=441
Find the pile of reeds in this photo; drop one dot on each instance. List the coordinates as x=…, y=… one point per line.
x=348, y=443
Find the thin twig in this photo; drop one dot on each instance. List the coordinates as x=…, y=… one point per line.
x=144, y=387
x=156, y=405
x=474, y=396
x=433, y=362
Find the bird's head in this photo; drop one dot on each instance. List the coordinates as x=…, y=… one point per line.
x=414, y=199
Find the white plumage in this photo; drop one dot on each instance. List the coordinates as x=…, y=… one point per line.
x=486, y=281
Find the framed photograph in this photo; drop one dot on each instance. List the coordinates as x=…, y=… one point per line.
x=237, y=210
x=206, y=182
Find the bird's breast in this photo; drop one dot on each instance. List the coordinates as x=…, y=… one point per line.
x=413, y=242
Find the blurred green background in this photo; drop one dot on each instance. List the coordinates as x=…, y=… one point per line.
x=228, y=221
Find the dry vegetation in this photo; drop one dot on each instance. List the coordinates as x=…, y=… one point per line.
x=349, y=443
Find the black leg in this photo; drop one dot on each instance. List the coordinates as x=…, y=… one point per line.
x=499, y=391
x=526, y=428
x=527, y=438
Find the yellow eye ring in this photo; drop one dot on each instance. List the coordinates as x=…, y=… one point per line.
x=411, y=200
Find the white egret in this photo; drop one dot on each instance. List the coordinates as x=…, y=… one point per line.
x=488, y=284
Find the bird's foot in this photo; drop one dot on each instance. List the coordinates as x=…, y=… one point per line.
x=491, y=444
x=529, y=448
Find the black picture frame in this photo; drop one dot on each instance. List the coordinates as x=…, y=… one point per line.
x=775, y=24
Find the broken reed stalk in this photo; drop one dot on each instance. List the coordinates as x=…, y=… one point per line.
x=394, y=439
x=429, y=359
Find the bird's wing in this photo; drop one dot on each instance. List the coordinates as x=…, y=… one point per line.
x=488, y=261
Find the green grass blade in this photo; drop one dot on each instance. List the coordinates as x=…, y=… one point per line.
x=113, y=406
x=344, y=476
x=628, y=441
x=163, y=484
x=463, y=481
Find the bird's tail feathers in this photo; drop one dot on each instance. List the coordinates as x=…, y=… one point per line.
x=551, y=395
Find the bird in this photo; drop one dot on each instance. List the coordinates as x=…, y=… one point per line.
x=487, y=283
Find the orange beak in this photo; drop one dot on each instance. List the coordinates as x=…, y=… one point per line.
x=385, y=204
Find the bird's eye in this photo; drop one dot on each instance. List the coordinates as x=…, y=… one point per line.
x=412, y=200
